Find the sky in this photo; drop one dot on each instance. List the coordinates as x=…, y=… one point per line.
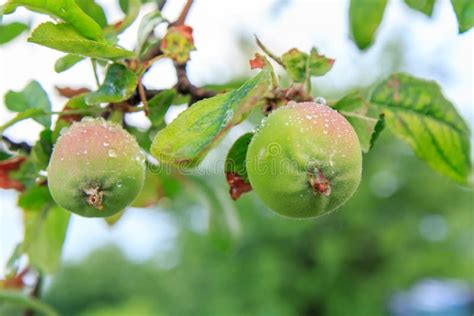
x=431, y=49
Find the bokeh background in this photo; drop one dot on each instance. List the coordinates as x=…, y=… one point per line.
x=404, y=245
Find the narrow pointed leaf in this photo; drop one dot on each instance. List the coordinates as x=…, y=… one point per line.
x=424, y=6
x=379, y=127
x=235, y=167
x=66, y=10
x=147, y=25
x=464, y=10
x=158, y=106
x=9, y=32
x=95, y=11
x=45, y=232
x=187, y=139
x=365, y=17
x=131, y=10
x=66, y=62
x=64, y=37
x=235, y=160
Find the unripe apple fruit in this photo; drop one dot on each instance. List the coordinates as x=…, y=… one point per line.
x=305, y=160
x=96, y=168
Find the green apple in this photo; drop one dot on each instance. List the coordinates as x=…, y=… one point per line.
x=305, y=160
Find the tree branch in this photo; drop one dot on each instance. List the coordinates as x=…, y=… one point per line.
x=16, y=146
x=184, y=86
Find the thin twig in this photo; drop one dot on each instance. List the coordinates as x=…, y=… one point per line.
x=96, y=75
x=184, y=13
x=141, y=92
x=135, y=98
x=183, y=85
x=268, y=52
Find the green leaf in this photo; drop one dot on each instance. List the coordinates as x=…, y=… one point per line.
x=77, y=102
x=124, y=5
x=26, y=174
x=158, y=106
x=66, y=62
x=35, y=199
x=236, y=157
x=300, y=65
x=119, y=84
x=464, y=10
x=8, y=32
x=42, y=150
x=363, y=126
x=65, y=38
x=424, y=6
x=66, y=10
x=351, y=102
x=319, y=64
x=379, y=127
x=45, y=232
x=365, y=17
x=187, y=139
x=45, y=228
x=131, y=8
x=355, y=107
x=33, y=98
x=143, y=137
x=95, y=11
x=19, y=298
x=147, y=25
x=417, y=112
x=235, y=168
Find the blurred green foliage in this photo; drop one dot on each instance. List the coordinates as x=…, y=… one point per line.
x=404, y=223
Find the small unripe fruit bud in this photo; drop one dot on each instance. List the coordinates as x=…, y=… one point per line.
x=305, y=160
x=96, y=169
